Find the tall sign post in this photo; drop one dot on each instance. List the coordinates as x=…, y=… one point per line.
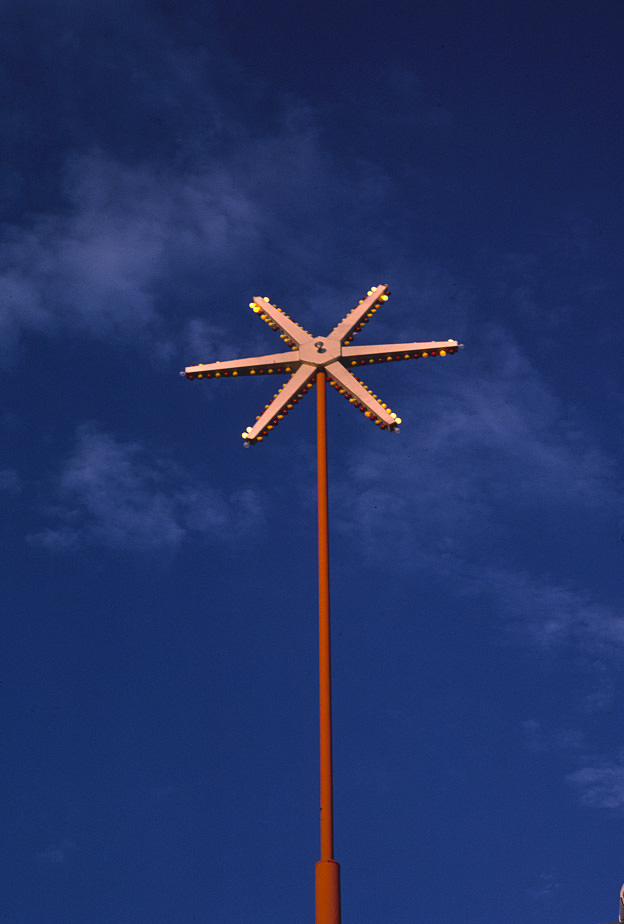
x=316, y=360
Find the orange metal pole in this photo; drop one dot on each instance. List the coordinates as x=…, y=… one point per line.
x=327, y=871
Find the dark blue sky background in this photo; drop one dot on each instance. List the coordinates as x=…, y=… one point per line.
x=161, y=165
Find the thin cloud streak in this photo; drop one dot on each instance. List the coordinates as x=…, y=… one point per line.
x=487, y=452
x=115, y=495
x=96, y=269
x=478, y=443
x=58, y=854
x=10, y=481
x=601, y=785
x=111, y=263
x=552, y=615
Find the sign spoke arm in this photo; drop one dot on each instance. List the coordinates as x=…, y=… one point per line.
x=361, y=396
x=273, y=362
x=358, y=316
x=283, y=401
x=292, y=333
x=360, y=355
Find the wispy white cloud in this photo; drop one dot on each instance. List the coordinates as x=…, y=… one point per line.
x=552, y=614
x=114, y=494
x=601, y=784
x=486, y=455
x=546, y=887
x=57, y=854
x=96, y=267
x=537, y=737
x=476, y=450
x=9, y=481
x=599, y=781
x=132, y=241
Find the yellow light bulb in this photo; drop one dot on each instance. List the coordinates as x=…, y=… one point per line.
x=442, y=352
x=398, y=420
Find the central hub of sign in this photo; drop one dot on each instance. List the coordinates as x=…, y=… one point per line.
x=319, y=351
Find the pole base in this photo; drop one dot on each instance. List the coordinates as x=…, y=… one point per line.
x=327, y=880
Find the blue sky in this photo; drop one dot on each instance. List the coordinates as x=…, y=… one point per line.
x=161, y=165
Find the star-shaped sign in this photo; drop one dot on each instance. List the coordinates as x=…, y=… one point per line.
x=332, y=354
